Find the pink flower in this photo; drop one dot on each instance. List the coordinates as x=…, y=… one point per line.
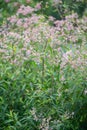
x=25, y=25
x=7, y=1
x=38, y=6
x=25, y=10
x=19, y=22
x=12, y=19
x=28, y=52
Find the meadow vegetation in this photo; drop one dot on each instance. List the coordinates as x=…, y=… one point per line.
x=43, y=66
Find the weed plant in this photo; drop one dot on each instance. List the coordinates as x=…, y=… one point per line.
x=43, y=72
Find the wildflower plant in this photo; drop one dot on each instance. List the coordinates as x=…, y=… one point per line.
x=43, y=71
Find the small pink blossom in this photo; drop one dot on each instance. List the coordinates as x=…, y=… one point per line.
x=25, y=10
x=12, y=19
x=38, y=6
x=7, y=1
x=28, y=52
x=19, y=22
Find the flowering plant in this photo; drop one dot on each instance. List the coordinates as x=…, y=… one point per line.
x=43, y=71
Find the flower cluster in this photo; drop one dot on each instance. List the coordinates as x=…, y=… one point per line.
x=24, y=10
x=34, y=32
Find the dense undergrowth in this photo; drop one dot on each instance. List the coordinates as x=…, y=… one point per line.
x=43, y=71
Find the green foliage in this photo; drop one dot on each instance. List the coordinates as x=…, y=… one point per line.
x=28, y=95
